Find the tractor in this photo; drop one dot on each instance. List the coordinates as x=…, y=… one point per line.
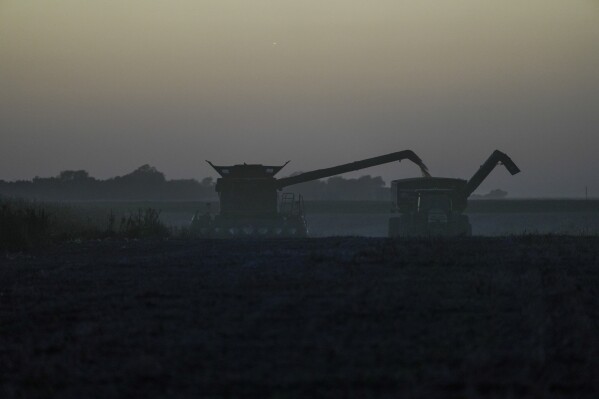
x=435, y=205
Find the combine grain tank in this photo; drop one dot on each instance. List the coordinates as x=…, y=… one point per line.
x=435, y=205
x=250, y=203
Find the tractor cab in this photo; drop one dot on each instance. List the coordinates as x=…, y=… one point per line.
x=428, y=206
x=435, y=206
x=435, y=212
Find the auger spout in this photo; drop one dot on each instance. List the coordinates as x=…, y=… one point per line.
x=496, y=158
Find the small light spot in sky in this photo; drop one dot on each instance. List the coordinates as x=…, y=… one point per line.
x=274, y=43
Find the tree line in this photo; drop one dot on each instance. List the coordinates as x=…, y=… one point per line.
x=146, y=183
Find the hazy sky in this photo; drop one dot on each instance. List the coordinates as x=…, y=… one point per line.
x=107, y=86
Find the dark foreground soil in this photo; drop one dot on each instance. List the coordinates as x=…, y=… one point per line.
x=335, y=317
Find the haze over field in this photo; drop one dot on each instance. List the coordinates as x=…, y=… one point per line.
x=108, y=86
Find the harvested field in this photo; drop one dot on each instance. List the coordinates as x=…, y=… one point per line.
x=325, y=317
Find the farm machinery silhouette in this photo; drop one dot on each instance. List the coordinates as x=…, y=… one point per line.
x=250, y=204
x=435, y=205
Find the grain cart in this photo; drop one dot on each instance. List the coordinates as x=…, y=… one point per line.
x=250, y=204
x=435, y=205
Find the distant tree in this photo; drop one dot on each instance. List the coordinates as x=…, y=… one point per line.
x=311, y=190
x=73, y=175
x=145, y=174
x=493, y=194
x=363, y=188
x=496, y=194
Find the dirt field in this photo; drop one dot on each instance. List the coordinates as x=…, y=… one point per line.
x=326, y=317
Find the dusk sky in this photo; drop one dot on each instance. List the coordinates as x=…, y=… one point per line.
x=107, y=86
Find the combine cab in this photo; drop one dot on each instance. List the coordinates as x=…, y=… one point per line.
x=250, y=203
x=435, y=205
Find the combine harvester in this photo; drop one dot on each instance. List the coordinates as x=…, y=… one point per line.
x=250, y=204
x=435, y=205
